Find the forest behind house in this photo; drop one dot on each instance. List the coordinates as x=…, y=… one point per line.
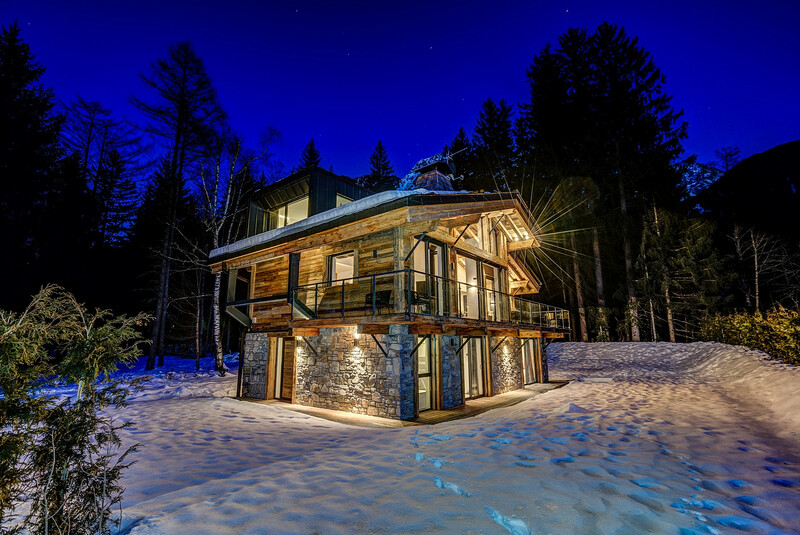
x=639, y=240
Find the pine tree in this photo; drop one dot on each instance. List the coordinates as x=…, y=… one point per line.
x=462, y=156
x=493, y=144
x=184, y=116
x=30, y=173
x=110, y=154
x=309, y=157
x=381, y=175
x=598, y=109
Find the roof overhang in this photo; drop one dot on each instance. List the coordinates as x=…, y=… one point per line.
x=394, y=208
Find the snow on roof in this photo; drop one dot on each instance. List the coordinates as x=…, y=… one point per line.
x=323, y=217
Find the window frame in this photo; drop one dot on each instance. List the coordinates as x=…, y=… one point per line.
x=330, y=265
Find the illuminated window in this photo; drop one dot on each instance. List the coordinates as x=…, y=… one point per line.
x=341, y=200
x=288, y=213
x=342, y=266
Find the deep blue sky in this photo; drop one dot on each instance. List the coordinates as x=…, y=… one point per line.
x=410, y=73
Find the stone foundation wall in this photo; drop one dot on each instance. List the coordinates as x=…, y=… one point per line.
x=354, y=375
x=452, y=395
x=506, y=365
x=254, y=366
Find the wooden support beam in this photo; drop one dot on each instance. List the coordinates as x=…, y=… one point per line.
x=529, y=334
x=506, y=332
x=469, y=219
x=521, y=244
x=459, y=330
x=422, y=328
x=304, y=331
x=447, y=239
x=547, y=334
x=370, y=328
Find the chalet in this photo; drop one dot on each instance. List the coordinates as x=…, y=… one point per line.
x=387, y=304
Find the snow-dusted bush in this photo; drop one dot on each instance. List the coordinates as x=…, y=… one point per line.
x=776, y=332
x=62, y=458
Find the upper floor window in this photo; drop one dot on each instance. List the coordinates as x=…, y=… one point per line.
x=288, y=213
x=341, y=200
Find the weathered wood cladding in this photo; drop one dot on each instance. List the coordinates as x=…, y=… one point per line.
x=381, y=244
x=271, y=279
x=374, y=254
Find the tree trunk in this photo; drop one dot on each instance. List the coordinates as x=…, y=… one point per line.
x=755, y=267
x=670, y=320
x=157, y=345
x=633, y=307
x=653, y=335
x=667, y=300
x=579, y=292
x=198, y=311
x=737, y=242
x=219, y=363
x=602, y=320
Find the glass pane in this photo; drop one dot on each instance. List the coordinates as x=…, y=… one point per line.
x=342, y=266
x=296, y=211
x=341, y=200
x=467, y=274
x=424, y=393
x=424, y=357
x=277, y=218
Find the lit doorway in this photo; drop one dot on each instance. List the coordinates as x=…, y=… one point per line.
x=425, y=378
x=529, y=354
x=472, y=368
x=283, y=372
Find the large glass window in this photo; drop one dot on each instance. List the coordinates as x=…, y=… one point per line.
x=468, y=283
x=342, y=266
x=288, y=213
x=341, y=200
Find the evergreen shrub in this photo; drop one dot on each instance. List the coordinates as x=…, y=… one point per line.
x=776, y=332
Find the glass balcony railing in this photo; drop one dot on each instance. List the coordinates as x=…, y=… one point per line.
x=413, y=292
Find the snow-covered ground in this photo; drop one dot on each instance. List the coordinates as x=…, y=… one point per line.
x=662, y=438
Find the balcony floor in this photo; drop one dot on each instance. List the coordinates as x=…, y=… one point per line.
x=431, y=324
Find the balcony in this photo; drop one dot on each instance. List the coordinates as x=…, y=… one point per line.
x=413, y=294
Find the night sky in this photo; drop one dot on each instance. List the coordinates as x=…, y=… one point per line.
x=410, y=73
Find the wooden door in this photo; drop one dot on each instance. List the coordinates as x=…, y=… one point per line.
x=288, y=369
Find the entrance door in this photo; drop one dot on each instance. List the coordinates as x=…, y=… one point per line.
x=284, y=368
x=425, y=361
x=529, y=348
x=472, y=368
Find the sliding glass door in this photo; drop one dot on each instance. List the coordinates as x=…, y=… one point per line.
x=472, y=368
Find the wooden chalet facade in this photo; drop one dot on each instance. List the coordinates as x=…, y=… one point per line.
x=386, y=304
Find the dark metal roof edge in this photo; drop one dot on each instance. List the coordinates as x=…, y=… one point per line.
x=411, y=200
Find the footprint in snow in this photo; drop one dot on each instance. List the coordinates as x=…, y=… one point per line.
x=515, y=526
x=450, y=486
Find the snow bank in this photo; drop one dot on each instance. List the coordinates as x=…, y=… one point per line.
x=661, y=447
x=768, y=388
x=178, y=378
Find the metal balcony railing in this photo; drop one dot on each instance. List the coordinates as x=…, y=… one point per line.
x=413, y=292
